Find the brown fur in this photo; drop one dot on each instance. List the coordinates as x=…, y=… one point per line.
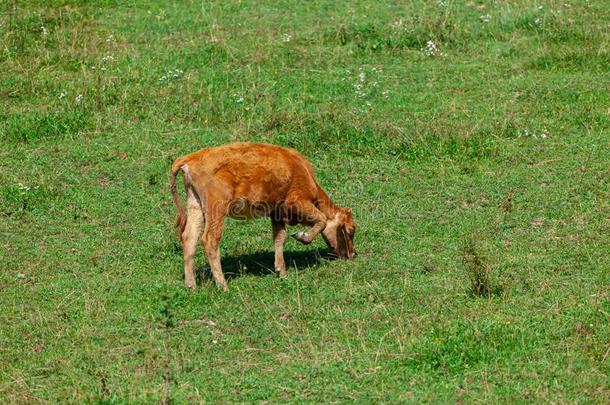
x=181, y=217
x=246, y=180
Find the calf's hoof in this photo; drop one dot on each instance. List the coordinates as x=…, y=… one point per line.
x=301, y=237
x=191, y=285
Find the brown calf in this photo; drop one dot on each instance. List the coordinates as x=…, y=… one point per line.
x=247, y=180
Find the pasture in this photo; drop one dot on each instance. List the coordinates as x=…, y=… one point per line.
x=470, y=138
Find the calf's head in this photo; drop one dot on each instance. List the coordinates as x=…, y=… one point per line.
x=339, y=234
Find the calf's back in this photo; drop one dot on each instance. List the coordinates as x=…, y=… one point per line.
x=254, y=177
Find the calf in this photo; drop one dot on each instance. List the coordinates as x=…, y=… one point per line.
x=246, y=180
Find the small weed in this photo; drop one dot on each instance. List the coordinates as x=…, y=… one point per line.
x=507, y=204
x=168, y=320
x=166, y=314
x=479, y=271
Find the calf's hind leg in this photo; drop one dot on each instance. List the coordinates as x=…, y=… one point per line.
x=214, y=224
x=189, y=237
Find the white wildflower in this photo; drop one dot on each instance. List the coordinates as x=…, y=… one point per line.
x=78, y=98
x=397, y=24
x=526, y=133
x=364, y=83
x=359, y=90
x=431, y=49
x=485, y=18
x=22, y=187
x=171, y=74
x=62, y=95
x=44, y=31
x=107, y=58
x=287, y=37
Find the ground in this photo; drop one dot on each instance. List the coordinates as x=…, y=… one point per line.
x=471, y=139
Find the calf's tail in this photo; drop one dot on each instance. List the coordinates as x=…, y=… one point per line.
x=181, y=217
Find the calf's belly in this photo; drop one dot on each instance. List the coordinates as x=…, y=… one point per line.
x=243, y=209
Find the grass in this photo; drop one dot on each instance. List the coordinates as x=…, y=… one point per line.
x=501, y=136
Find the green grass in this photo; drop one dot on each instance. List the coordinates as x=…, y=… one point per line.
x=479, y=178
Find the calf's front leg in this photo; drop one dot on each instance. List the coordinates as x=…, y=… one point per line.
x=310, y=214
x=279, y=237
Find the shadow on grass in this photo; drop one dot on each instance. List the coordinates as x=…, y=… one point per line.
x=262, y=263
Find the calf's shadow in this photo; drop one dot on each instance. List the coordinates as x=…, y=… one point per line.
x=261, y=263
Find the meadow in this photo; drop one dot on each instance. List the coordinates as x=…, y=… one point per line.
x=470, y=138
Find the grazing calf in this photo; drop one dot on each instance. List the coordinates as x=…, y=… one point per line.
x=246, y=180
